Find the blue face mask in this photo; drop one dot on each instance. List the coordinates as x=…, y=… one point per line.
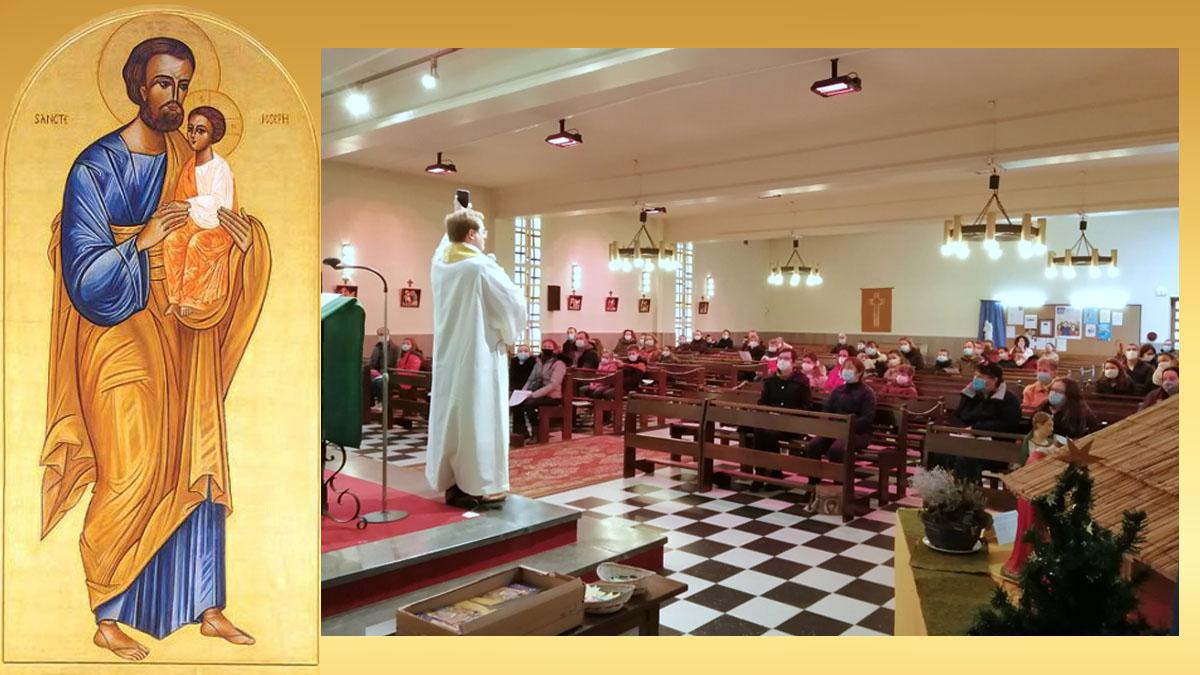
x=1044, y=378
x=1057, y=399
x=522, y=356
x=979, y=384
x=849, y=376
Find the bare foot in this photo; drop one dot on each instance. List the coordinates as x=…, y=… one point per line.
x=214, y=624
x=109, y=636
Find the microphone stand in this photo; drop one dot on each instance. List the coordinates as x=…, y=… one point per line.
x=384, y=515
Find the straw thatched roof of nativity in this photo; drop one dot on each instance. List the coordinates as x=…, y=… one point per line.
x=1135, y=466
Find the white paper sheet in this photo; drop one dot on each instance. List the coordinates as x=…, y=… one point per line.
x=1118, y=318
x=1031, y=321
x=1005, y=525
x=1106, y=316
x=518, y=397
x=1060, y=344
x=1010, y=332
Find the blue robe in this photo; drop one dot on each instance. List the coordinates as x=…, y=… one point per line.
x=107, y=283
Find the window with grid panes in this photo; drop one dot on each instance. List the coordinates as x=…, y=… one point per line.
x=683, y=292
x=527, y=274
x=1175, y=322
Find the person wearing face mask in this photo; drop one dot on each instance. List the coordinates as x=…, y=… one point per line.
x=1168, y=347
x=568, y=345
x=520, y=368
x=853, y=398
x=1115, y=379
x=841, y=343
x=1072, y=416
x=1021, y=348
x=985, y=405
x=874, y=362
x=1140, y=364
x=889, y=366
x=788, y=387
x=754, y=345
x=584, y=355
x=834, y=379
x=901, y=384
x=665, y=356
x=944, y=364
x=1035, y=394
x=698, y=343
x=649, y=351
x=814, y=370
x=1164, y=361
x=726, y=341
x=970, y=357
x=911, y=355
x=375, y=363
x=1049, y=353
x=1169, y=387
x=632, y=368
x=1004, y=358
x=545, y=385
x=628, y=339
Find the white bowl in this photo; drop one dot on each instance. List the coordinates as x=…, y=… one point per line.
x=610, y=604
x=616, y=573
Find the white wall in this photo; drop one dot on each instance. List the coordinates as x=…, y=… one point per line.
x=394, y=223
x=740, y=273
x=940, y=296
x=584, y=240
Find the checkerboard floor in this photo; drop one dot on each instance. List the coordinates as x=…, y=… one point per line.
x=755, y=562
x=406, y=447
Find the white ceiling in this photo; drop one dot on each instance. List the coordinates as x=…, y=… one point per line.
x=712, y=129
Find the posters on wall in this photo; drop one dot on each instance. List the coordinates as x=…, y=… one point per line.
x=1014, y=316
x=1068, y=323
x=1104, y=332
x=1031, y=321
x=1118, y=318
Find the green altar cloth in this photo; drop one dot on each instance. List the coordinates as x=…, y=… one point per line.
x=342, y=328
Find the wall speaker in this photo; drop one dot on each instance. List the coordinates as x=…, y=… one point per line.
x=553, y=298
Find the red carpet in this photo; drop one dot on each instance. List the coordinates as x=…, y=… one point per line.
x=540, y=470
x=422, y=514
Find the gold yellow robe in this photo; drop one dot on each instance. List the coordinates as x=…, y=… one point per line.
x=137, y=409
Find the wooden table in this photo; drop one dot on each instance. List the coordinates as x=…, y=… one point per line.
x=640, y=612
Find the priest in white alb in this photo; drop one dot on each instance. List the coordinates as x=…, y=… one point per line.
x=477, y=312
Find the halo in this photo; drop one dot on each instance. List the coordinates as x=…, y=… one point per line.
x=127, y=36
x=234, y=124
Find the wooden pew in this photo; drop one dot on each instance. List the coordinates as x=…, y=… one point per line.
x=638, y=409
x=409, y=394
x=599, y=406
x=985, y=445
x=782, y=420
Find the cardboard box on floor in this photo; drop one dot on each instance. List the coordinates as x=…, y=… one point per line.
x=558, y=607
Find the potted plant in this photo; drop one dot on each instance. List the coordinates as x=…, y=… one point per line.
x=953, y=511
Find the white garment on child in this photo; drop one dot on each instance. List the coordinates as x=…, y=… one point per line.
x=214, y=190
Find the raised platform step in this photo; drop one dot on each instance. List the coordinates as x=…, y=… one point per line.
x=360, y=575
x=598, y=541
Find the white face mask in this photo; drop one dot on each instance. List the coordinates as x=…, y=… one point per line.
x=753, y=344
x=666, y=352
x=581, y=343
x=842, y=360
x=893, y=362
x=629, y=337
x=633, y=357
x=902, y=380
x=1111, y=373
x=860, y=346
x=405, y=347
x=807, y=367
x=784, y=365
x=1131, y=354
x=943, y=357
x=725, y=335
x=905, y=348
x=968, y=351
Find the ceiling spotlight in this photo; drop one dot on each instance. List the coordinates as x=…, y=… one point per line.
x=430, y=80
x=837, y=85
x=654, y=210
x=565, y=138
x=441, y=166
x=357, y=103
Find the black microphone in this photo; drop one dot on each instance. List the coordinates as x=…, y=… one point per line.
x=332, y=262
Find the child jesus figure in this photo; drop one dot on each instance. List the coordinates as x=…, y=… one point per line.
x=196, y=256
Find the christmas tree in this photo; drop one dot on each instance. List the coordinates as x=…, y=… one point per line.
x=1072, y=584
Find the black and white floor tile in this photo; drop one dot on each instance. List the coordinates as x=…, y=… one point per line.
x=406, y=447
x=756, y=563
